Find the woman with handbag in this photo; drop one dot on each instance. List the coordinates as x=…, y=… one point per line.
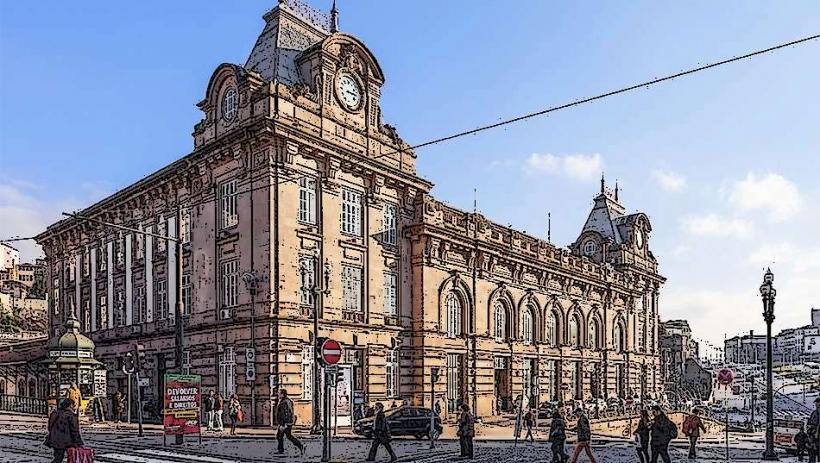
x=234, y=412
x=63, y=430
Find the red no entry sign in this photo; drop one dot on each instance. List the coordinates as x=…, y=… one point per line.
x=331, y=352
x=725, y=376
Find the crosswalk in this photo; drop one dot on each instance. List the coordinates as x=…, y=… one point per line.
x=157, y=456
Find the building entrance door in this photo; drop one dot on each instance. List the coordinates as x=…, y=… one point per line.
x=343, y=404
x=503, y=384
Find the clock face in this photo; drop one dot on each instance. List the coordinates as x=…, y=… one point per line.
x=349, y=91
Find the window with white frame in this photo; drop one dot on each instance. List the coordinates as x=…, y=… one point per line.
x=72, y=268
x=594, y=335
x=454, y=382
x=307, y=276
x=119, y=249
x=162, y=230
x=574, y=331
x=186, y=362
x=389, y=223
x=390, y=287
x=186, y=293
x=351, y=288
x=119, y=309
x=161, y=299
x=185, y=226
x=102, y=257
x=307, y=200
x=102, y=312
x=230, y=283
x=500, y=328
x=227, y=372
x=351, y=212
x=230, y=103
x=454, y=315
x=86, y=262
x=391, y=369
x=307, y=372
x=227, y=198
x=139, y=249
x=86, y=316
x=552, y=329
x=140, y=307
x=55, y=285
x=526, y=326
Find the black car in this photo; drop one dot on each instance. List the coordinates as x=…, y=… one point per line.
x=403, y=421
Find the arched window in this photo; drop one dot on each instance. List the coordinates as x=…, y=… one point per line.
x=500, y=329
x=619, y=337
x=526, y=326
x=594, y=334
x=32, y=387
x=21, y=388
x=2, y=386
x=552, y=329
x=574, y=331
x=453, y=315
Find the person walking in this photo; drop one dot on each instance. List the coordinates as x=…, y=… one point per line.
x=529, y=422
x=381, y=435
x=63, y=430
x=642, y=436
x=801, y=440
x=118, y=407
x=813, y=431
x=558, y=437
x=234, y=412
x=285, y=420
x=219, y=407
x=662, y=431
x=98, y=409
x=692, y=426
x=208, y=407
x=584, y=436
x=75, y=396
x=466, y=432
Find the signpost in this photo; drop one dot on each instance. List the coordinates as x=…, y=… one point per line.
x=181, y=409
x=725, y=377
x=330, y=353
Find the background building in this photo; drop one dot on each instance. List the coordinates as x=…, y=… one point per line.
x=745, y=349
x=296, y=179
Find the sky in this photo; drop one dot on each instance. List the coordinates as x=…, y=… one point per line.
x=95, y=95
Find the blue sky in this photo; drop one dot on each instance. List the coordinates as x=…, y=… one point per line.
x=94, y=96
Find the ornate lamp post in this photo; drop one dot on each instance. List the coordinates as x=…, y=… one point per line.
x=311, y=286
x=767, y=293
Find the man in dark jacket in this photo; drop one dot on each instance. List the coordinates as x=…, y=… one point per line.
x=63, y=430
x=381, y=435
x=662, y=431
x=208, y=408
x=813, y=430
x=466, y=432
x=584, y=436
x=558, y=437
x=692, y=427
x=285, y=420
x=801, y=440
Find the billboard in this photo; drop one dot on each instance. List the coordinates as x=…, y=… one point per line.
x=811, y=344
x=183, y=397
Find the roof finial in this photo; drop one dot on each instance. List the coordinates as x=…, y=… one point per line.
x=334, y=18
x=616, y=190
x=603, y=182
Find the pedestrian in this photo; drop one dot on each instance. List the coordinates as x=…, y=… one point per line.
x=584, y=436
x=813, y=430
x=529, y=423
x=219, y=406
x=381, y=435
x=801, y=440
x=63, y=430
x=285, y=420
x=466, y=432
x=118, y=407
x=98, y=408
x=234, y=412
x=437, y=408
x=642, y=436
x=208, y=407
x=692, y=426
x=76, y=397
x=662, y=431
x=558, y=437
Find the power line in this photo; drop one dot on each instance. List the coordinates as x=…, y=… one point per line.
x=602, y=95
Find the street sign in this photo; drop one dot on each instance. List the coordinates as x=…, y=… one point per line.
x=331, y=352
x=725, y=376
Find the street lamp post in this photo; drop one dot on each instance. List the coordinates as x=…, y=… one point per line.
x=316, y=289
x=767, y=293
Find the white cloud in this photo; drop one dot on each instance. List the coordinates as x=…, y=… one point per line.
x=715, y=225
x=771, y=193
x=669, y=181
x=582, y=167
x=786, y=254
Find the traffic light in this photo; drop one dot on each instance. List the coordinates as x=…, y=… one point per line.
x=434, y=373
x=139, y=356
x=128, y=363
x=339, y=376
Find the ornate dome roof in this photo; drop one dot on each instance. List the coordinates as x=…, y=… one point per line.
x=71, y=340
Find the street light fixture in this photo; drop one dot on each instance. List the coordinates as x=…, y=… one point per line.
x=317, y=289
x=767, y=293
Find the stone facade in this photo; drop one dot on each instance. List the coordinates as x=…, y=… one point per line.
x=295, y=177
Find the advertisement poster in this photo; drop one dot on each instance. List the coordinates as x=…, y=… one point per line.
x=182, y=400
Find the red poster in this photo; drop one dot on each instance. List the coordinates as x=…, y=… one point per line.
x=182, y=400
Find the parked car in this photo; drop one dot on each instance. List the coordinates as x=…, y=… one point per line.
x=546, y=410
x=403, y=421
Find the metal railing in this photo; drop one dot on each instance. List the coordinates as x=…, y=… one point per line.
x=29, y=405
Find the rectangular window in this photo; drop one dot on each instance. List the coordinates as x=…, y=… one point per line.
x=140, y=307
x=86, y=315
x=227, y=372
x=186, y=362
x=351, y=212
x=86, y=262
x=56, y=291
x=186, y=293
x=389, y=224
x=552, y=380
x=102, y=311
x=390, y=283
x=307, y=372
x=161, y=299
x=351, y=288
x=102, y=257
x=119, y=249
x=162, y=230
x=139, y=249
x=307, y=274
x=391, y=369
x=227, y=196
x=453, y=382
x=185, y=226
x=307, y=200
x=72, y=268
x=230, y=283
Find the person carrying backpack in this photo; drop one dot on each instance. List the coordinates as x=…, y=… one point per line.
x=692, y=426
x=662, y=431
